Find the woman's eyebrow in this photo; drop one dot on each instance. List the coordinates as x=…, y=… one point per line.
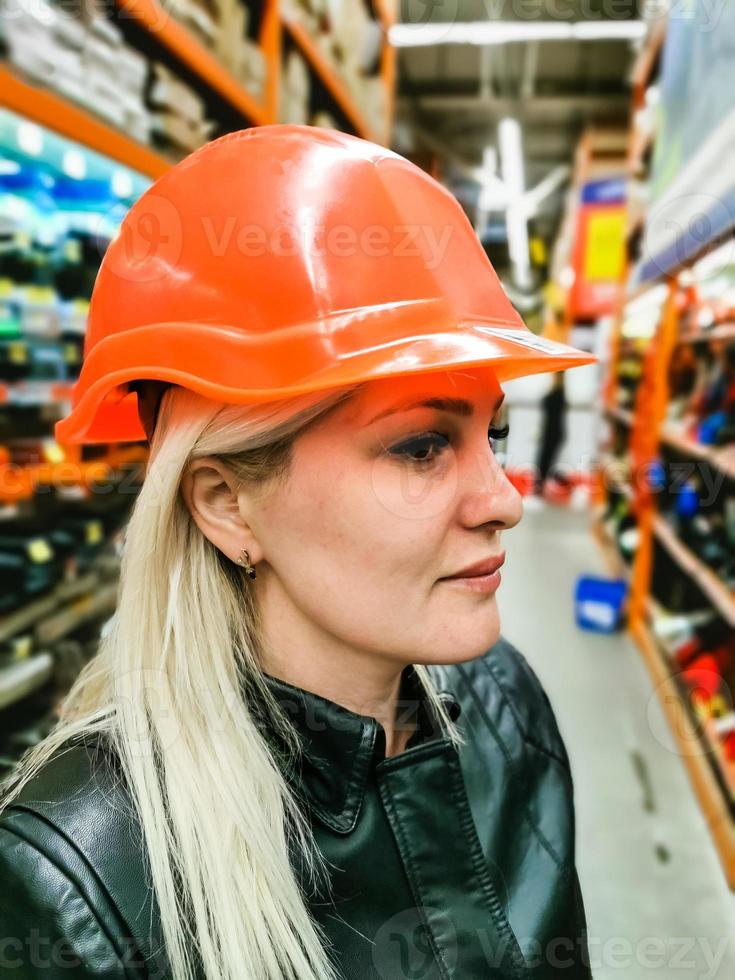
x=459, y=406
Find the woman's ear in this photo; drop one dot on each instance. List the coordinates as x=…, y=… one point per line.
x=214, y=499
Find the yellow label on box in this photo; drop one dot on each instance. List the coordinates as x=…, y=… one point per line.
x=605, y=246
x=18, y=352
x=40, y=550
x=94, y=532
x=22, y=647
x=39, y=294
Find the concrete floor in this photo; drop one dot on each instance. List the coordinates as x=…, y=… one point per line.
x=657, y=901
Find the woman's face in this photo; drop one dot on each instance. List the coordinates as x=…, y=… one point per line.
x=383, y=500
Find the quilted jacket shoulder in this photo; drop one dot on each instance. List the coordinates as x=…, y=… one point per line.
x=68, y=843
x=503, y=678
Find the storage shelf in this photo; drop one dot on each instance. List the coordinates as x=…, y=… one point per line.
x=613, y=559
x=621, y=415
x=712, y=775
x=54, y=112
x=608, y=466
x=20, y=679
x=37, y=611
x=328, y=75
x=646, y=60
x=723, y=331
x=36, y=392
x=166, y=30
x=722, y=459
x=712, y=800
x=717, y=591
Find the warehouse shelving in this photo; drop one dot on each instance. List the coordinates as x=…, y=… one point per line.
x=18, y=680
x=35, y=637
x=330, y=79
x=649, y=434
x=53, y=111
x=712, y=795
x=719, y=594
x=59, y=114
x=721, y=459
x=154, y=18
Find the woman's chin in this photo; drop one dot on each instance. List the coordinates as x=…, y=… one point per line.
x=470, y=641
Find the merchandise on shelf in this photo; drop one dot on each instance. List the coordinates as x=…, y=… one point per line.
x=81, y=55
x=177, y=112
x=295, y=89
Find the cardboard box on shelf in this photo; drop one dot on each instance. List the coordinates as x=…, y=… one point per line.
x=252, y=68
x=98, y=55
x=295, y=74
x=232, y=25
x=176, y=130
x=132, y=70
x=306, y=12
x=293, y=110
x=294, y=90
x=199, y=17
x=168, y=92
x=324, y=119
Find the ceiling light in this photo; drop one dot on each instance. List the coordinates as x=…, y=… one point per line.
x=486, y=32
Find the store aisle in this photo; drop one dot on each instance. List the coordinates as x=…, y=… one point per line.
x=657, y=901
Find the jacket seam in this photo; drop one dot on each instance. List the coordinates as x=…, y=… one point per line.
x=415, y=881
x=73, y=880
x=488, y=889
x=521, y=727
x=511, y=762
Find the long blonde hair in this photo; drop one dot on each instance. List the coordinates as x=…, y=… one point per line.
x=169, y=687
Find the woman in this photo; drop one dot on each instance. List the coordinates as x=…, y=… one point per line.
x=303, y=748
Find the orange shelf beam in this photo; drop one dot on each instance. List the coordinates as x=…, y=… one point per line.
x=331, y=80
x=56, y=113
x=719, y=594
x=712, y=800
x=162, y=26
x=646, y=60
x=721, y=459
x=386, y=11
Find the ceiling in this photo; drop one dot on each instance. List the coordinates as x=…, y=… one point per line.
x=450, y=97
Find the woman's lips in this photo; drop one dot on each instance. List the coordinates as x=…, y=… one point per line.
x=483, y=576
x=476, y=583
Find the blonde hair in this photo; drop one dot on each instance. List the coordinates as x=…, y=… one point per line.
x=170, y=688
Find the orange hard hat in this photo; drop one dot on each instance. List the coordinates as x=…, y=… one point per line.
x=285, y=259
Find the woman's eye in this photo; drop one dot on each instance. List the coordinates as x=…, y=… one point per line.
x=422, y=449
x=498, y=433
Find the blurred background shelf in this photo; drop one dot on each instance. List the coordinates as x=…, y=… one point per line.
x=58, y=114
x=164, y=29
x=19, y=680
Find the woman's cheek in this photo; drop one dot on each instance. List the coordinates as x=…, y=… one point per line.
x=404, y=492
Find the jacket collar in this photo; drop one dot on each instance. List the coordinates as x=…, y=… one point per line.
x=342, y=747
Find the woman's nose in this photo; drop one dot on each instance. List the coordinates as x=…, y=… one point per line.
x=488, y=496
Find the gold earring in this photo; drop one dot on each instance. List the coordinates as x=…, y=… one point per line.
x=245, y=563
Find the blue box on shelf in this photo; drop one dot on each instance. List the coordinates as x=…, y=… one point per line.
x=599, y=603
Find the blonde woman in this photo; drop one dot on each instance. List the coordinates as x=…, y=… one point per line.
x=303, y=749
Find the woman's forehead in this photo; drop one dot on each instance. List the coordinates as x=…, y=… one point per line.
x=472, y=383
x=373, y=399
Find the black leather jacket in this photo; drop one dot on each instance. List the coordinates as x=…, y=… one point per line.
x=446, y=864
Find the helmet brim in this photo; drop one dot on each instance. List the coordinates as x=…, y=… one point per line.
x=227, y=367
